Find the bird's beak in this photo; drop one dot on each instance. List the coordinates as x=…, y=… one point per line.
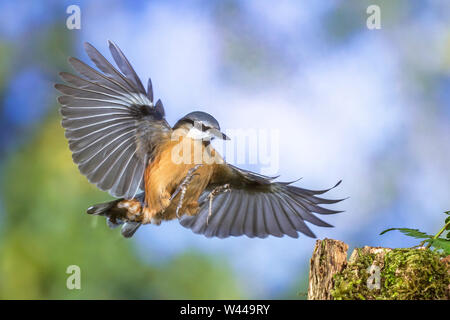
x=224, y=136
x=219, y=135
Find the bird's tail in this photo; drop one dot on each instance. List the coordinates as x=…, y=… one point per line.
x=116, y=216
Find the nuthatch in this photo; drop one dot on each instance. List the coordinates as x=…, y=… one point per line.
x=122, y=143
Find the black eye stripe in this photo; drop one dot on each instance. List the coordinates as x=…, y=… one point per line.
x=196, y=123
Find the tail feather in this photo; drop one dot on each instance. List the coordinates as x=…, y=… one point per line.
x=129, y=228
x=116, y=216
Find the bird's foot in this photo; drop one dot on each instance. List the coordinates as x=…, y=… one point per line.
x=182, y=187
x=212, y=194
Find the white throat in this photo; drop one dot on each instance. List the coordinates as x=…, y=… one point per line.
x=197, y=134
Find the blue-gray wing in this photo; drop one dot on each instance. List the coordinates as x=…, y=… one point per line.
x=111, y=122
x=256, y=206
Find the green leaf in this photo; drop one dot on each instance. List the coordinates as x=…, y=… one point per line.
x=442, y=244
x=415, y=233
x=387, y=230
x=447, y=221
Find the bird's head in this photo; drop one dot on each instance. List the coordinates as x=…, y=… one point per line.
x=200, y=125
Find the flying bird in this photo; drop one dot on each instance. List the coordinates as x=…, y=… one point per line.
x=123, y=144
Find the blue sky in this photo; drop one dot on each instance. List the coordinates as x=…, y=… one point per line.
x=368, y=107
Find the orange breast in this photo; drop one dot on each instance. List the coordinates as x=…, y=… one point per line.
x=168, y=170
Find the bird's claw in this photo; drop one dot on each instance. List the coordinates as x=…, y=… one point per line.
x=190, y=174
x=182, y=187
x=212, y=194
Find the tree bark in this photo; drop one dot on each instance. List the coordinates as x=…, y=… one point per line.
x=329, y=257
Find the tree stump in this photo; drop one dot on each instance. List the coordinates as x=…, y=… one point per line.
x=328, y=259
x=375, y=273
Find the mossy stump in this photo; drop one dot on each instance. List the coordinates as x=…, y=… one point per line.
x=374, y=273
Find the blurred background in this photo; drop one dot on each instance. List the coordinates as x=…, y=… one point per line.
x=371, y=107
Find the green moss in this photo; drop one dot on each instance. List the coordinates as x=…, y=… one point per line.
x=412, y=274
x=405, y=274
x=351, y=283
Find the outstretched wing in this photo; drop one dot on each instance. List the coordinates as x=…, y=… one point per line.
x=256, y=207
x=111, y=122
